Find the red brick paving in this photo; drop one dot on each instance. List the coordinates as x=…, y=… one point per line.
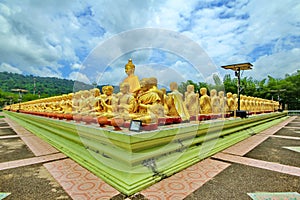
x=78, y=182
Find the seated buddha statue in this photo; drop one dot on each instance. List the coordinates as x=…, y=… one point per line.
x=108, y=100
x=164, y=101
x=76, y=102
x=124, y=103
x=86, y=105
x=97, y=108
x=148, y=103
x=131, y=79
x=68, y=104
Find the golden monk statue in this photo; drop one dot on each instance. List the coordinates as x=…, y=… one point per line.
x=223, y=104
x=131, y=79
x=215, y=102
x=86, y=103
x=230, y=102
x=76, y=102
x=176, y=104
x=165, y=99
x=148, y=103
x=205, y=104
x=243, y=102
x=108, y=100
x=96, y=102
x=235, y=101
x=66, y=103
x=191, y=101
x=125, y=101
x=247, y=103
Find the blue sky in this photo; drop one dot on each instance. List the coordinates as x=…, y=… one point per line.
x=59, y=38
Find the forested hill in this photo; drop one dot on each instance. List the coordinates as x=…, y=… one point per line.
x=46, y=86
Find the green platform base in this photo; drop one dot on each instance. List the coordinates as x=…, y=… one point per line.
x=132, y=161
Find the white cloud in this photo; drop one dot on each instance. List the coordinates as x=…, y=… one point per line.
x=4, y=67
x=40, y=38
x=276, y=65
x=77, y=76
x=37, y=37
x=77, y=66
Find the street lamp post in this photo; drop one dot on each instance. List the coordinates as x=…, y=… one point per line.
x=237, y=69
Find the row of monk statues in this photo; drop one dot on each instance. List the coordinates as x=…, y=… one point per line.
x=143, y=100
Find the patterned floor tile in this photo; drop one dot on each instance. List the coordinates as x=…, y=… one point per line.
x=185, y=182
x=30, y=161
x=295, y=171
x=78, y=182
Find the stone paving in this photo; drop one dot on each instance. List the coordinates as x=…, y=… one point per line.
x=78, y=183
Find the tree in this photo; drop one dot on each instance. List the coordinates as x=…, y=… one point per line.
x=230, y=85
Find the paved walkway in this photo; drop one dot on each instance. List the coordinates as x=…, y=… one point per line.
x=78, y=183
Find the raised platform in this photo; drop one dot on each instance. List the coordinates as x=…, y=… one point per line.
x=132, y=161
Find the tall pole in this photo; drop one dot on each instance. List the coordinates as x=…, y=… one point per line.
x=239, y=85
x=33, y=85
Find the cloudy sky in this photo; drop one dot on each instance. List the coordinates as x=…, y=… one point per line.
x=172, y=40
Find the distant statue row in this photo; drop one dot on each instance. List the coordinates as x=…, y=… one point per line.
x=142, y=100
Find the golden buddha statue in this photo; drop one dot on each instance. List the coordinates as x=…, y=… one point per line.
x=205, y=103
x=146, y=102
x=223, y=104
x=251, y=104
x=164, y=100
x=191, y=101
x=76, y=102
x=176, y=104
x=68, y=107
x=243, y=103
x=235, y=101
x=108, y=100
x=230, y=102
x=96, y=102
x=215, y=102
x=125, y=102
x=86, y=105
x=131, y=79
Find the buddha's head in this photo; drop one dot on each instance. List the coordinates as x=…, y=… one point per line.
x=213, y=93
x=229, y=95
x=108, y=90
x=173, y=86
x=124, y=88
x=190, y=88
x=129, y=68
x=95, y=92
x=221, y=94
x=203, y=91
